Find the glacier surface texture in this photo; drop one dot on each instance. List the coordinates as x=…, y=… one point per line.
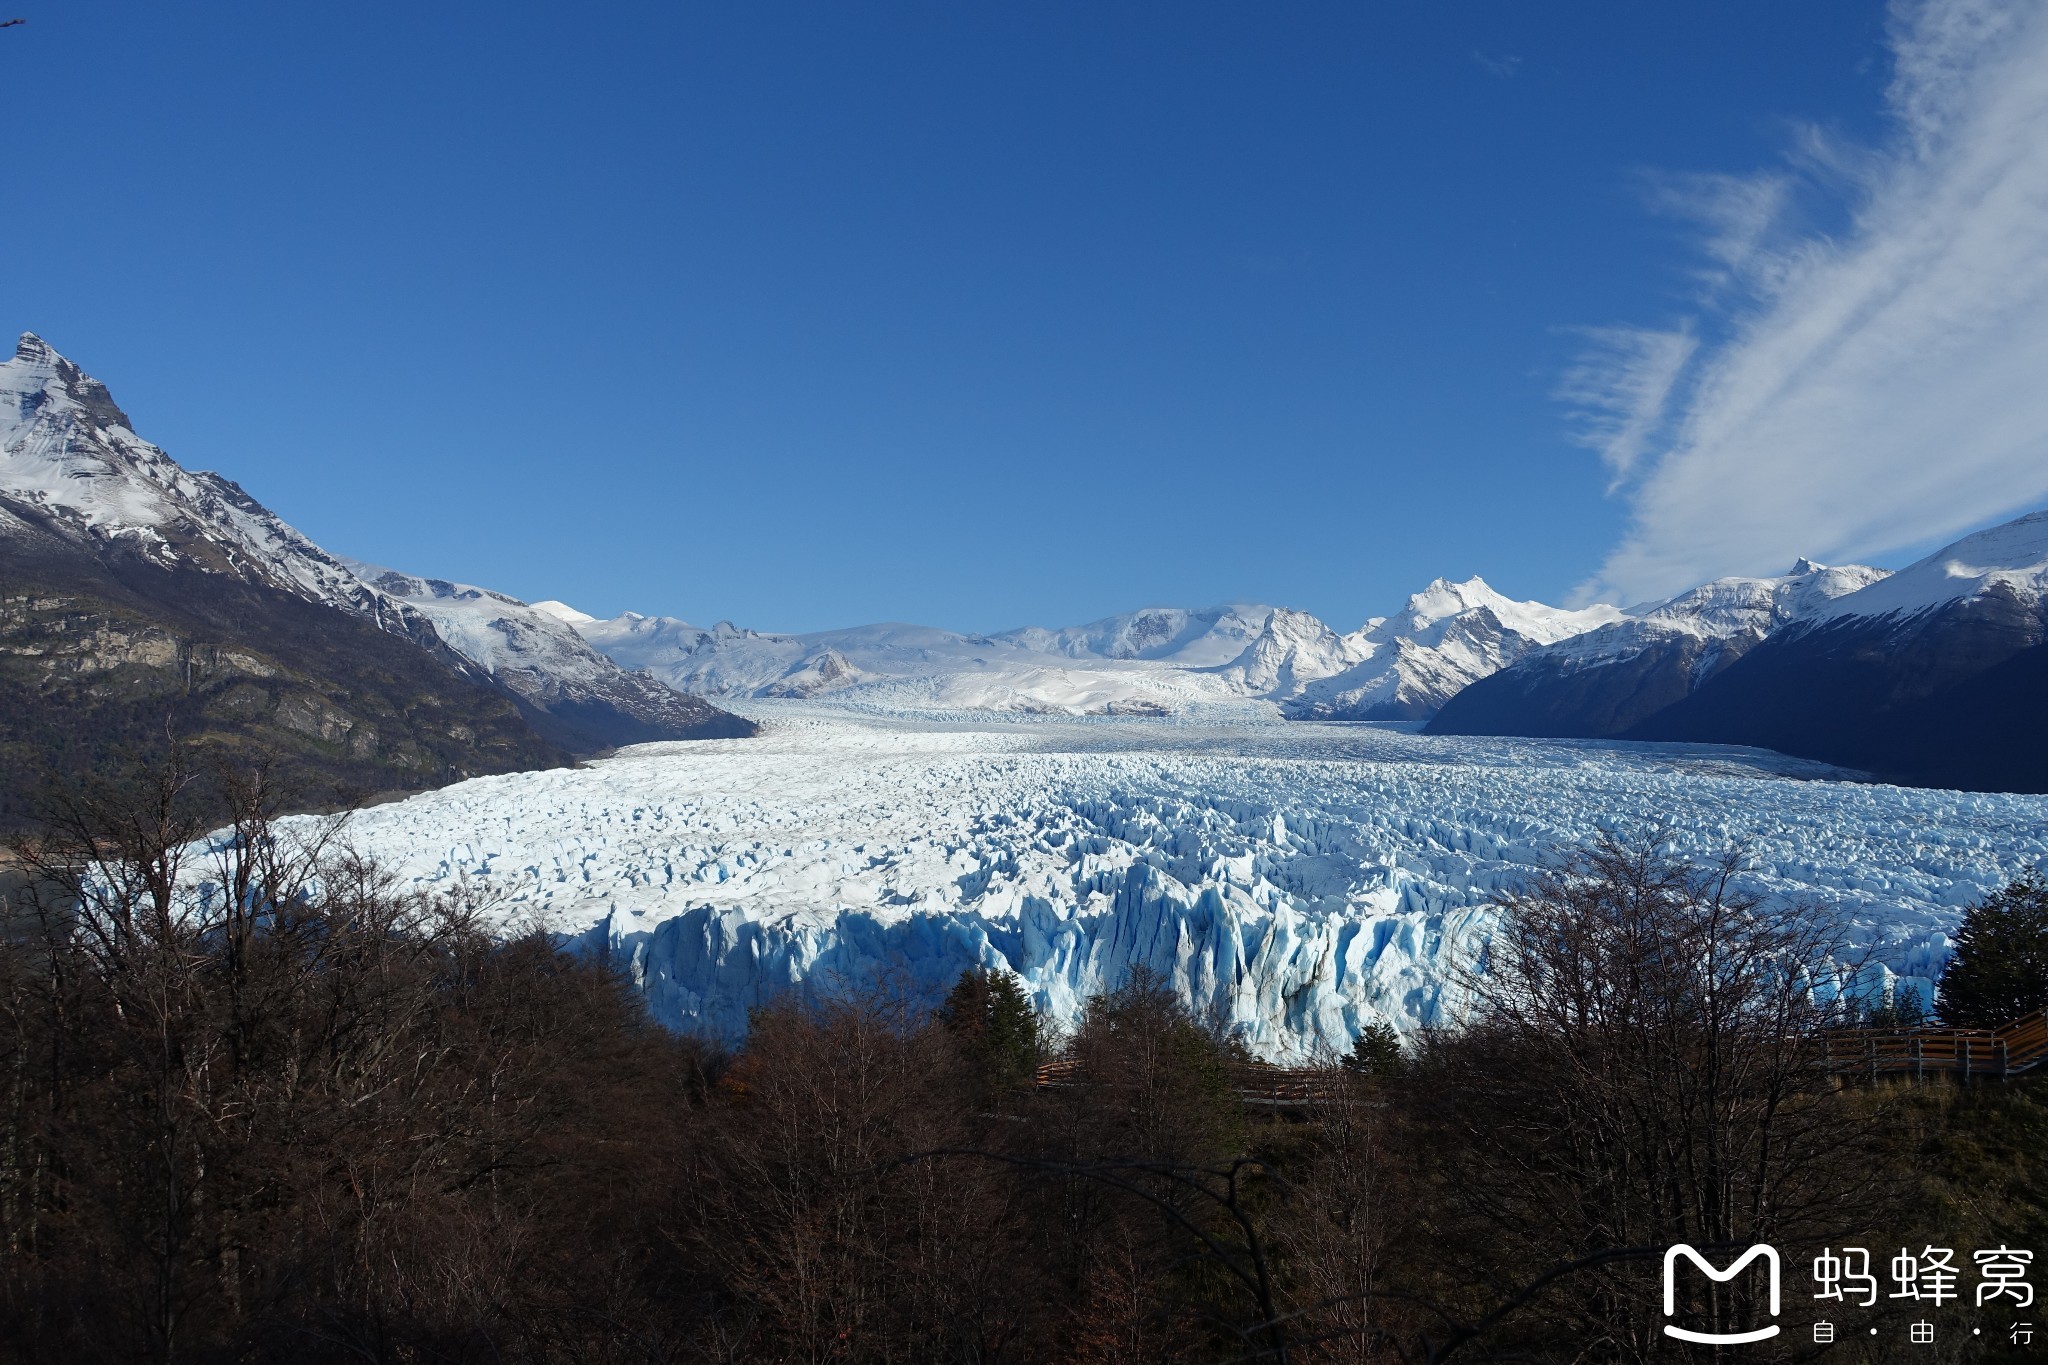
x=1297, y=880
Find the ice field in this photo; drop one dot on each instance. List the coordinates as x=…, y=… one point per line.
x=1296, y=879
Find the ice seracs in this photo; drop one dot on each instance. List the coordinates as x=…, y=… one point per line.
x=1293, y=880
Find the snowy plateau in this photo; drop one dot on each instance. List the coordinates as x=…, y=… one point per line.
x=1296, y=880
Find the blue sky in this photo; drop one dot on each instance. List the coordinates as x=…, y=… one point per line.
x=989, y=314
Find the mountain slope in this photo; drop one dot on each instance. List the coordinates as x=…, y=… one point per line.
x=139, y=598
x=570, y=693
x=1931, y=676
x=1602, y=682
x=103, y=652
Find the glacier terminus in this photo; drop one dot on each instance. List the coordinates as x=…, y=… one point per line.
x=1295, y=880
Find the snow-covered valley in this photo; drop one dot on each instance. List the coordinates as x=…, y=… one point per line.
x=1296, y=879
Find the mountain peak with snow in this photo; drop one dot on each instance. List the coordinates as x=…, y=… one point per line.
x=1445, y=598
x=71, y=465
x=2009, y=558
x=565, y=613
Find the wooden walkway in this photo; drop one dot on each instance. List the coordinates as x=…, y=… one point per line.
x=1278, y=1089
x=1991, y=1054
x=1999, y=1053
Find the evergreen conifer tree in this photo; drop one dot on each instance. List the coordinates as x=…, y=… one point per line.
x=2000, y=968
x=991, y=1016
x=1376, y=1051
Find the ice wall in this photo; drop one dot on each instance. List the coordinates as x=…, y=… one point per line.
x=1296, y=881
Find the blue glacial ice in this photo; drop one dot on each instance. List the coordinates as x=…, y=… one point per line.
x=1294, y=881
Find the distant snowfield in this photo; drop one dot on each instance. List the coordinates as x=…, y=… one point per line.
x=1297, y=880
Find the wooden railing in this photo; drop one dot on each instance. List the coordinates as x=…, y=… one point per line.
x=1994, y=1054
x=1999, y=1053
x=1275, y=1088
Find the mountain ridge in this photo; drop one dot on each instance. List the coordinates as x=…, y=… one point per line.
x=1929, y=676
x=140, y=599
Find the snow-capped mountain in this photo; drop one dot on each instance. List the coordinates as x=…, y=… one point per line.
x=1292, y=650
x=1160, y=659
x=1603, y=681
x=2006, y=564
x=1148, y=661
x=1934, y=675
x=138, y=593
x=72, y=466
x=1447, y=637
x=1190, y=639
x=573, y=694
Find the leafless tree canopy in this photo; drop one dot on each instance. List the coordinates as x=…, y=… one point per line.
x=1644, y=1065
x=259, y=1103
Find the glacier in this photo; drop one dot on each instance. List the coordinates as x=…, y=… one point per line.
x=1161, y=660
x=1294, y=880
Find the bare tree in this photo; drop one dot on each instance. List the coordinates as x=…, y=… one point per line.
x=1643, y=1066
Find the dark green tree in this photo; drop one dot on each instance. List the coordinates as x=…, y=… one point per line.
x=1376, y=1051
x=1899, y=1012
x=2000, y=968
x=988, y=1014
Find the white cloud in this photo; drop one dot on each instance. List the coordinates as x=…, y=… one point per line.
x=1879, y=388
x=1619, y=388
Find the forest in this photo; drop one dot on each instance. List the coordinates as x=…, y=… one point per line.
x=259, y=1102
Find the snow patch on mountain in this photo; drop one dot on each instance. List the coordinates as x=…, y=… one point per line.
x=565, y=613
x=530, y=651
x=1295, y=880
x=538, y=657
x=2011, y=558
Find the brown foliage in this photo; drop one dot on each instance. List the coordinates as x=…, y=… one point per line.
x=248, y=1119
x=257, y=1102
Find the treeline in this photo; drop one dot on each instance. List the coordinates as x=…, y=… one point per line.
x=257, y=1103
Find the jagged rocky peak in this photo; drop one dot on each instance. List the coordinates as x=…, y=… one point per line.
x=36, y=358
x=70, y=461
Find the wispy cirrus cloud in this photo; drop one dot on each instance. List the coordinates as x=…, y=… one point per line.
x=1620, y=387
x=1860, y=391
